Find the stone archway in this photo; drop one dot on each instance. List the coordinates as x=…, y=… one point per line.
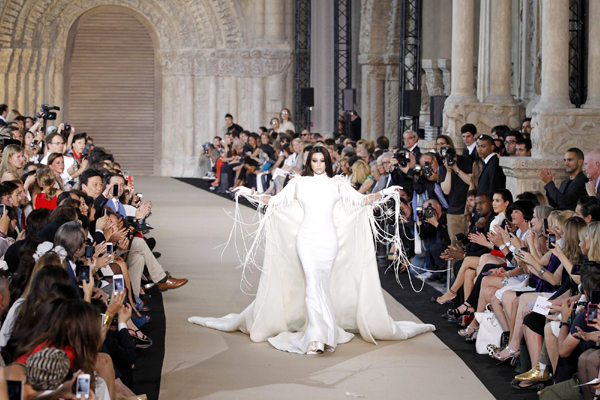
x=113, y=85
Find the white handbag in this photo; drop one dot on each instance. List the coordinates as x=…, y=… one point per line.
x=490, y=331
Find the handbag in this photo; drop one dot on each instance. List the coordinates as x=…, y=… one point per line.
x=490, y=331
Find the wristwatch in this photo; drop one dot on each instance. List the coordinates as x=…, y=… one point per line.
x=564, y=324
x=502, y=247
x=542, y=271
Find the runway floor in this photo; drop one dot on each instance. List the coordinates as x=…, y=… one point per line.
x=201, y=363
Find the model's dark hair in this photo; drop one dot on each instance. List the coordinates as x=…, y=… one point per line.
x=328, y=164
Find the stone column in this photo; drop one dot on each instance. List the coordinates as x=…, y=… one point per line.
x=593, y=97
x=555, y=61
x=500, y=63
x=275, y=36
x=462, y=51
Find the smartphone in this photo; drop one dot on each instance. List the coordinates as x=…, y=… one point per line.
x=115, y=191
x=83, y=386
x=89, y=251
x=2, y=209
x=109, y=248
x=592, y=313
x=551, y=240
x=118, y=283
x=15, y=390
x=84, y=274
x=545, y=226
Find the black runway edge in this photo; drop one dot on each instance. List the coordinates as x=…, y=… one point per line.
x=205, y=185
x=496, y=378
x=148, y=365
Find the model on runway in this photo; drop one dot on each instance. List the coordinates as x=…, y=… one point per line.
x=319, y=277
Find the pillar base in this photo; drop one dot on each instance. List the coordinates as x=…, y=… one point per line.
x=556, y=131
x=500, y=99
x=522, y=176
x=592, y=104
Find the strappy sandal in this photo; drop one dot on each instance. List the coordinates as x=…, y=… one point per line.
x=437, y=299
x=465, y=332
x=141, y=341
x=513, y=355
x=454, y=313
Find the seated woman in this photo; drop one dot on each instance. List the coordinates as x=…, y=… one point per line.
x=537, y=332
x=522, y=213
x=545, y=276
x=47, y=191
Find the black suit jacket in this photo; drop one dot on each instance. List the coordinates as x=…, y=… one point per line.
x=472, y=156
x=417, y=152
x=492, y=177
x=567, y=199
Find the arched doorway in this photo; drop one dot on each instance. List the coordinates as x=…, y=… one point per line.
x=112, y=86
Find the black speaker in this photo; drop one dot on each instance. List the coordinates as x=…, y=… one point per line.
x=348, y=97
x=412, y=103
x=436, y=118
x=307, y=97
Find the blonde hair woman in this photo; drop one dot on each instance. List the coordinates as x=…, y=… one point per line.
x=362, y=180
x=47, y=192
x=13, y=160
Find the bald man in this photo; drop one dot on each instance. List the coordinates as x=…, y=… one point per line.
x=591, y=167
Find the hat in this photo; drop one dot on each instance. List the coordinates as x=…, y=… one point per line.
x=47, y=368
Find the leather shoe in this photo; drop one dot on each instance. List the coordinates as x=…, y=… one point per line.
x=534, y=375
x=172, y=283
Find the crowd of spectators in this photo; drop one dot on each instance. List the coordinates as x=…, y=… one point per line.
x=76, y=263
x=506, y=250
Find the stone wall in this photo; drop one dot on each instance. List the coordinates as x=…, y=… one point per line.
x=215, y=57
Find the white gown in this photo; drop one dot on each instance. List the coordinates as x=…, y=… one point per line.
x=309, y=291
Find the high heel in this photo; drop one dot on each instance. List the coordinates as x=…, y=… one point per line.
x=436, y=299
x=465, y=332
x=513, y=355
x=455, y=314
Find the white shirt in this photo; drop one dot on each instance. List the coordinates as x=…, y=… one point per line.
x=412, y=148
x=472, y=147
x=489, y=157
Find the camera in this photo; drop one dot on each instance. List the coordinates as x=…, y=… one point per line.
x=403, y=157
x=448, y=153
x=418, y=169
x=67, y=128
x=427, y=171
x=420, y=212
x=577, y=268
x=426, y=213
x=46, y=113
x=34, y=143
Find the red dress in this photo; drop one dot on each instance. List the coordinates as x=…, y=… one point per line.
x=41, y=202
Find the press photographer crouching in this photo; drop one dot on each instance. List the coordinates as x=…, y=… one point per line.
x=433, y=229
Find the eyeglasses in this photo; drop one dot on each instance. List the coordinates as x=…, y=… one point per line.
x=305, y=134
x=511, y=141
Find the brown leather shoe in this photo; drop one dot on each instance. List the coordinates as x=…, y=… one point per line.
x=172, y=283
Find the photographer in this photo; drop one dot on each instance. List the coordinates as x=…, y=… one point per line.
x=456, y=179
x=401, y=165
x=427, y=180
x=434, y=232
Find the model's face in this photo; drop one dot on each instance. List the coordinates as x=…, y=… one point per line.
x=469, y=138
x=499, y=204
x=58, y=165
x=317, y=163
x=17, y=160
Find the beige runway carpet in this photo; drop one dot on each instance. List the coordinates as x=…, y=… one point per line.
x=201, y=363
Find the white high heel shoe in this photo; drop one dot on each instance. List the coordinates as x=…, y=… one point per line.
x=315, y=348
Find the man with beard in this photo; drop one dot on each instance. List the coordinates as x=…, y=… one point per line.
x=510, y=142
x=571, y=189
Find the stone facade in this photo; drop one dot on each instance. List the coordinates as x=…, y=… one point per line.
x=215, y=57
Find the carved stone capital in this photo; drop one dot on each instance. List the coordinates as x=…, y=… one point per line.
x=483, y=116
x=522, y=172
x=248, y=63
x=555, y=132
